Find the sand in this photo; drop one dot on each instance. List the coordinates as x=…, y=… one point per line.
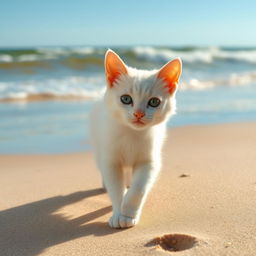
x=204, y=199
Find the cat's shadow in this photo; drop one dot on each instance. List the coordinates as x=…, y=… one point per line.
x=29, y=229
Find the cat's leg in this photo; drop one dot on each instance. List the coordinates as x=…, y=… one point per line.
x=113, y=178
x=128, y=177
x=142, y=181
x=97, y=158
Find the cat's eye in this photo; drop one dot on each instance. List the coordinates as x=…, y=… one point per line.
x=154, y=102
x=126, y=99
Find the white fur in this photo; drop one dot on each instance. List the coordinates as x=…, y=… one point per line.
x=118, y=143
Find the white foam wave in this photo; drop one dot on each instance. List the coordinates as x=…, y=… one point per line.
x=207, y=55
x=234, y=79
x=155, y=54
x=66, y=51
x=47, y=54
x=28, y=57
x=247, y=56
x=82, y=50
x=34, y=57
x=6, y=58
x=53, y=51
x=91, y=87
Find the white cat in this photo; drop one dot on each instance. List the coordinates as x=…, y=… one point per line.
x=128, y=128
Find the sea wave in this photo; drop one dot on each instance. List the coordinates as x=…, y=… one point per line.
x=145, y=54
x=164, y=55
x=44, y=54
x=66, y=51
x=207, y=55
x=79, y=87
x=234, y=79
x=66, y=88
x=6, y=58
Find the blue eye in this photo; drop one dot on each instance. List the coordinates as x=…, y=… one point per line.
x=126, y=99
x=154, y=102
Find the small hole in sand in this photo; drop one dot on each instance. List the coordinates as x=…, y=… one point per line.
x=174, y=242
x=184, y=175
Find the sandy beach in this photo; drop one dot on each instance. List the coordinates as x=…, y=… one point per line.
x=54, y=204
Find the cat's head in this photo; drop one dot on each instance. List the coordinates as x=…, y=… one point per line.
x=140, y=98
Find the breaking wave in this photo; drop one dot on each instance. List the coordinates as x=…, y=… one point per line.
x=207, y=55
x=65, y=88
x=234, y=79
x=144, y=54
x=79, y=87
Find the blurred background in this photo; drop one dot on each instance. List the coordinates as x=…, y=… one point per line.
x=52, y=52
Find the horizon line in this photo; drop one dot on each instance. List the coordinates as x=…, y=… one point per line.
x=126, y=45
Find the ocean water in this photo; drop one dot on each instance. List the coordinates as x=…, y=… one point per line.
x=218, y=85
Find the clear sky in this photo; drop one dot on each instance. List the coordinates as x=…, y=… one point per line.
x=130, y=22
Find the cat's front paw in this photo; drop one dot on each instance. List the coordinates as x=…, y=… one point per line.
x=114, y=221
x=127, y=222
x=121, y=221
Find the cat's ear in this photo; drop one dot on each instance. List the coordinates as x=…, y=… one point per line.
x=114, y=67
x=170, y=74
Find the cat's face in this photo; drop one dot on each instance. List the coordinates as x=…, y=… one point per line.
x=140, y=98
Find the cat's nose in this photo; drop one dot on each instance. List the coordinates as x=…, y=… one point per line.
x=139, y=114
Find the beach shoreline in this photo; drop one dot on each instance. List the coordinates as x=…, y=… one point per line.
x=54, y=205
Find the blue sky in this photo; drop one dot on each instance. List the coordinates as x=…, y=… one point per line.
x=130, y=22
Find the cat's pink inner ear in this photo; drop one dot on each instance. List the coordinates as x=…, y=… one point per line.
x=170, y=73
x=114, y=67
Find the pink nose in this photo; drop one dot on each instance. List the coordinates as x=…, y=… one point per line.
x=139, y=114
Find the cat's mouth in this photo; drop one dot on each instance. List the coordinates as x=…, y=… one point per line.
x=138, y=122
